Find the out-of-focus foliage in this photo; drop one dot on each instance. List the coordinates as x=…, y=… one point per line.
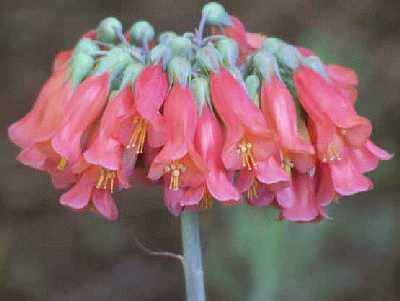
x=48, y=253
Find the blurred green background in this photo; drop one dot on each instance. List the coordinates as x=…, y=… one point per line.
x=50, y=253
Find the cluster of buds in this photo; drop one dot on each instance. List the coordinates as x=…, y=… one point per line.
x=234, y=117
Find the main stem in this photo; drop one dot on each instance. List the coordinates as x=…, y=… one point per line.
x=193, y=266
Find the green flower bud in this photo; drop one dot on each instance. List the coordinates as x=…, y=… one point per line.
x=114, y=62
x=215, y=14
x=180, y=46
x=179, y=69
x=272, y=45
x=265, y=64
x=199, y=86
x=107, y=30
x=160, y=53
x=142, y=32
x=130, y=73
x=253, y=88
x=86, y=46
x=316, y=64
x=166, y=36
x=289, y=56
x=80, y=66
x=208, y=58
x=229, y=51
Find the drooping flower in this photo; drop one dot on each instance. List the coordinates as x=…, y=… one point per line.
x=280, y=111
x=178, y=162
x=143, y=121
x=215, y=184
x=331, y=110
x=299, y=202
x=93, y=191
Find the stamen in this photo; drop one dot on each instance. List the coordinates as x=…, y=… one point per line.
x=176, y=169
x=138, y=136
x=207, y=201
x=252, y=192
x=62, y=163
x=287, y=164
x=106, y=180
x=244, y=149
x=331, y=154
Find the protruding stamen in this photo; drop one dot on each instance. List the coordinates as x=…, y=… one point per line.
x=106, y=180
x=331, y=154
x=252, y=192
x=176, y=169
x=207, y=201
x=138, y=135
x=62, y=163
x=287, y=164
x=245, y=151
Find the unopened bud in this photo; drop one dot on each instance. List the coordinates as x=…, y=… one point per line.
x=114, y=62
x=289, y=56
x=215, y=14
x=272, y=44
x=160, y=54
x=229, y=51
x=201, y=92
x=209, y=58
x=108, y=29
x=180, y=46
x=316, y=64
x=130, y=73
x=142, y=32
x=166, y=36
x=86, y=46
x=179, y=69
x=81, y=65
x=253, y=88
x=265, y=63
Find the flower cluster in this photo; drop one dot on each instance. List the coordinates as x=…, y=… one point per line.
x=234, y=117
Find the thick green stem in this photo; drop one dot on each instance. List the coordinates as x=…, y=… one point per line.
x=193, y=266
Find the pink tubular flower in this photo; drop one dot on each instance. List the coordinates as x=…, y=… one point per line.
x=93, y=190
x=330, y=109
x=45, y=117
x=178, y=161
x=248, y=139
x=104, y=150
x=279, y=109
x=208, y=142
x=143, y=121
x=299, y=202
x=83, y=110
x=249, y=144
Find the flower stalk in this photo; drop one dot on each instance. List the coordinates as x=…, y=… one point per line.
x=192, y=263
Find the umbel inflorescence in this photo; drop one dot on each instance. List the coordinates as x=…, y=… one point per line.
x=234, y=117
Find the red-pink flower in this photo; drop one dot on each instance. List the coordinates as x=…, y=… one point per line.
x=45, y=117
x=248, y=139
x=82, y=112
x=332, y=111
x=93, y=191
x=143, y=122
x=178, y=161
x=279, y=109
x=215, y=183
x=299, y=201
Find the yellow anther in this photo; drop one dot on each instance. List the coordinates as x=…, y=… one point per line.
x=106, y=180
x=62, y=163
x=138, y=136
x=245, y=151
x=176, y=169
x=252, y=192
x=207, y=201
